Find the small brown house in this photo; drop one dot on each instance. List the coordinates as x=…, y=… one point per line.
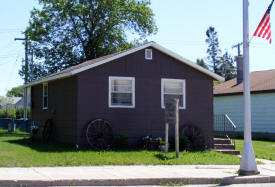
x=128, y=89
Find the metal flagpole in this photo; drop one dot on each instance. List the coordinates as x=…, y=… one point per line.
x=248, y=164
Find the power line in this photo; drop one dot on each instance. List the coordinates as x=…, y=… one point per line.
x=10, y=75
x=8, y=63
x=9, y=29
x=8, y=55
x=3, y=48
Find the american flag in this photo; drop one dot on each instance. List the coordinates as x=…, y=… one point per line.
x=264, y=28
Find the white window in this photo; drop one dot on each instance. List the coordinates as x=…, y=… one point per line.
x=173, y=88
x=148, y=54
x=45, y=96
x=122, y=92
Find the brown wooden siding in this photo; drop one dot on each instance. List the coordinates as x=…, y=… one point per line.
x=62, y=100
x=147, y=118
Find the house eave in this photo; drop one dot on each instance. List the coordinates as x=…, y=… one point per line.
x=62, y=76
x=151, y=44
x=241, y=93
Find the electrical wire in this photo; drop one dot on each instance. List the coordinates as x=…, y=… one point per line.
x=10, y=75
x=7, y=63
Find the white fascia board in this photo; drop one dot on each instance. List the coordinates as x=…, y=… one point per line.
x=160, y=48
x=150, y=44
x=89, y=66
x=188, y=62
x=61, y=76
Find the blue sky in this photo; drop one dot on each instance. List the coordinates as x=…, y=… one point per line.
x=182, y=25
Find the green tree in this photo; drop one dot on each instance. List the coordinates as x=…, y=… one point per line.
x=1, y=99
x=67, y=32
x=227, y=68
x=222, y=65
x=16, y=92
x=202, y=63
x=213, y=49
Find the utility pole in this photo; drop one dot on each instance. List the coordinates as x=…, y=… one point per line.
x=26, y=70
x=248, y=164
x=239, y=61
x=238, y=46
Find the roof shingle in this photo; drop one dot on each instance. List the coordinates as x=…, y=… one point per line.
x=260, y=81
x=108, y=58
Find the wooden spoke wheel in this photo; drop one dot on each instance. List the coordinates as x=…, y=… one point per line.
x=99, y=134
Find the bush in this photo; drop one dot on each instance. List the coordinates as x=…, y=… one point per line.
x=11, y=113
x=121, y=142
x=19, y=113
x=3, y=113
x=184, y=143
x=195, y=136
x=14, y=113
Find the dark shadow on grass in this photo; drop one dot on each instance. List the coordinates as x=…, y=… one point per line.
x=162, y=156
x=14, y=134
x=42, y=146
x=53, y=147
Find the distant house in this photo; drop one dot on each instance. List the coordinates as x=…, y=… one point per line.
x=228, y=99
x=20, y=103
x=14, y=102
x=129, y=90
x=9, y=102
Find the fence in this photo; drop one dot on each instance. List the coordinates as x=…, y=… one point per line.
x=12, y=124
x=224, y=127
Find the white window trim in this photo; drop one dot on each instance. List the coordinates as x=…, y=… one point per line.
x=183, y=87
x=151, y=54
x=43, y=104
x=110, y=91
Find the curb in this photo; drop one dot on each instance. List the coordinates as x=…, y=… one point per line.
x=140, y=181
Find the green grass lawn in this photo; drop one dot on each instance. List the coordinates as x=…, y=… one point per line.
x=262, y=149
x=19, y=150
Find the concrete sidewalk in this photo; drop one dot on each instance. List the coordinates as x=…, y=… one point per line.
x=132, y=175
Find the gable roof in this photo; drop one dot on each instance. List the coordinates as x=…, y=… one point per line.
x=260, y=81
x=108, y=58
x=9, y=101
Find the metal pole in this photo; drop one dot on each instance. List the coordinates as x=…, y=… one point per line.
x=25, y=103
x=248, y=164
x=177, y=128
x=26, y=70
x=26, y=78
x=166, y=137
x=26, y=59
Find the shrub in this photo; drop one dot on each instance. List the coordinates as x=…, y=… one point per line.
x=121, y=142
x=11, y=113
x=195, y=136
x=19, y=113
x=3, y=113
x=14, y=113
x=184, y=143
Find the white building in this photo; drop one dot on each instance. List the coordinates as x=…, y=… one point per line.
x=228, y=99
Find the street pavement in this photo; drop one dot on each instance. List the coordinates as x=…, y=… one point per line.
x=134, y=175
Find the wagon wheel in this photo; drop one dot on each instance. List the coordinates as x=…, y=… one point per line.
x=99, y=134
x=48, y=129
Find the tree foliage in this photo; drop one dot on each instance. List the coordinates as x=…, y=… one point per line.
x=213, y=49
x=16, y=92
x=66, y=32
x=227, y=68
x=202, y=63
x=222, y=64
